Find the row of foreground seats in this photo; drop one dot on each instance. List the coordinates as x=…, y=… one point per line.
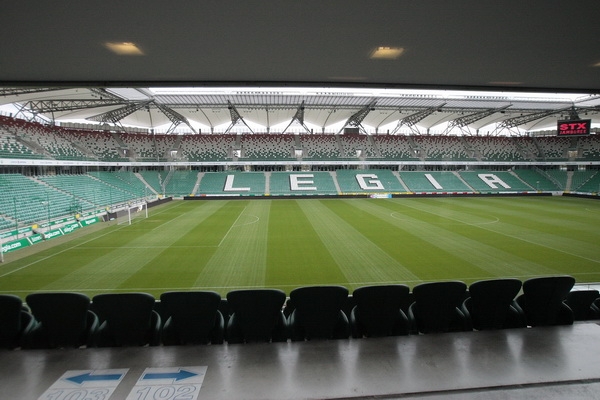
x=55, y=320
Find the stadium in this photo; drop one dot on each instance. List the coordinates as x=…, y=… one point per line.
x=375, y=226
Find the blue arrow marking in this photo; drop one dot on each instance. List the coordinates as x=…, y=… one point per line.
x=178, y=376
x=87, y=377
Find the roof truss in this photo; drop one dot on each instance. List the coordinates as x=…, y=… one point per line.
x=413, y=119
x=358, y=117
x=466, y=120
x=235, y=118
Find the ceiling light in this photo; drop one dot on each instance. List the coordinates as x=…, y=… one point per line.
x=124, y=48
x=387, y=53
x=597, y=64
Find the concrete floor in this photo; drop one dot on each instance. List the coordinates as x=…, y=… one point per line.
x=549, y=363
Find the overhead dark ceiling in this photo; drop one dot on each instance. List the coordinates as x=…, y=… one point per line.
x=546, y=45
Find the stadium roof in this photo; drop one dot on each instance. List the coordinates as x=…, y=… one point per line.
x=260, y=110
x=527, y=57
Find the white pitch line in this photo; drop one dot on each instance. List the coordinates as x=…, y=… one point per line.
x=57, y=253
x=231, y=227
x=70, y=248
x=510, y=236
x=394, y=214
x=141, y=247
x=256, y=219
x=187, y=288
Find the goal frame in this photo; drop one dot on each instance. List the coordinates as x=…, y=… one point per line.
x=131, y=212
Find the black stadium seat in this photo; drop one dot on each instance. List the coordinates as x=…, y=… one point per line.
x=192, y=318
x=256, y=316
x=14, y=321
x=436, y=307
x=491, y=304
x=378, y=311
x=63, y=320
x=543, y=300
x=318, y=313
x=126, y=319
x=580, y=302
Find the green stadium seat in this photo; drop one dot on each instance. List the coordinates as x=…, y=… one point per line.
x=353, y=145
x=320, y=147
x=207, y=147
x=393, y=147
x=269, y=147
x=537, y=180
x=446, y=148
x=586, y=181
x=181, y=183
x=322, y=184
x=248, y=183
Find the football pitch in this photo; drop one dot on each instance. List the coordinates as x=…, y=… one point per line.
x=223, y=245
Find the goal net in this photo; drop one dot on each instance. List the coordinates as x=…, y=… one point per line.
x=130, y=212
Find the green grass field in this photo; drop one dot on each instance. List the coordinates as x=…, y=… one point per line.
x=226, y=244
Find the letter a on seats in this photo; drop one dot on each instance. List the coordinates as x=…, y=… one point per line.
x=491, y=180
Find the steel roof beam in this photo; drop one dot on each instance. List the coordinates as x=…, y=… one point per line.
x=53, y=106
x=358, y=117
x=298, y=117
x=115, y=116
x=524, y=119
x=467, y=120
x=412, y=119
x=174, y=117
x=235, y=118
x=20, y=91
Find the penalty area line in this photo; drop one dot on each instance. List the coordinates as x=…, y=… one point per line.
x=110, y=231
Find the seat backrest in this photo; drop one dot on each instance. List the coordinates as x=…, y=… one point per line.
x=63, y=317
x=490, y=301
x=128, y=316
x=580, y=302
x=257, y=312
x=543, y=298
x=379, y=308
x=193, y=314
x=435, y=305
x=317, y=310
x=11, y=324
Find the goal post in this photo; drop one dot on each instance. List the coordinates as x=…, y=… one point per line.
x=131, y=212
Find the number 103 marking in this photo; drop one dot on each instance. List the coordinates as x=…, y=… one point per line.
x=77, y=394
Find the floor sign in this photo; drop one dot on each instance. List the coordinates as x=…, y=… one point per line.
x=176, y=383
x=85, y=385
